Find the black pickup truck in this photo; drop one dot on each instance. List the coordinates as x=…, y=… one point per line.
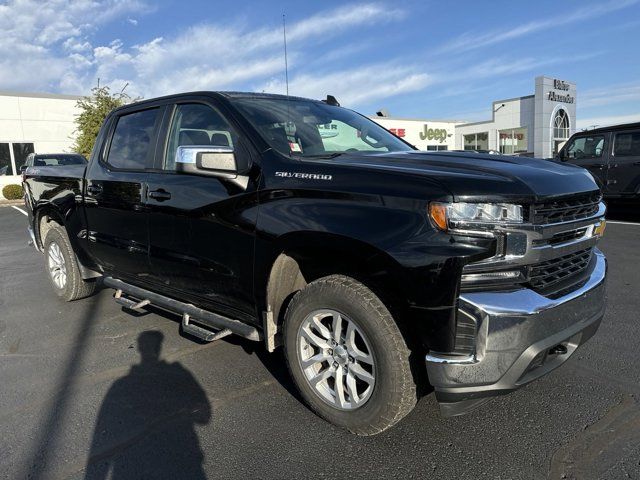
x=384, y=272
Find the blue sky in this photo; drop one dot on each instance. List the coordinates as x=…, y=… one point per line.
x=420, y=59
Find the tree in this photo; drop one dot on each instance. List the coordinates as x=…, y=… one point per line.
x=93, y=110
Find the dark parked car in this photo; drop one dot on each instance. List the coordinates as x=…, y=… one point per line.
x=612, y=155
x=377, y=267
x=52, y=160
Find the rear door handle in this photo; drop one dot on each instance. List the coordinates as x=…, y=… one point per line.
x=94, y=189
x=160, y=195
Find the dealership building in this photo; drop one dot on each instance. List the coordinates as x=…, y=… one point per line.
x=33, y=122
x=534, y=125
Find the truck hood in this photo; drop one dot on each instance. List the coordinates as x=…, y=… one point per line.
x=470, y=176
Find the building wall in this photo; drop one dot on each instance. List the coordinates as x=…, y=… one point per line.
x=533, y=113
x=46, y=121
x=515, y=113
x=422, y=133
x=546, y=107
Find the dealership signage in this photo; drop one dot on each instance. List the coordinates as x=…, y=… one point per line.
x=399, y=132
x=561, y=96
x=439, y=134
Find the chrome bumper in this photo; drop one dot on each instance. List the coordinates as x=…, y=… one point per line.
x=515, y=331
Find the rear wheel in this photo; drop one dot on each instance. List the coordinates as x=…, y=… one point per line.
x=62, y=267
x=347, y=356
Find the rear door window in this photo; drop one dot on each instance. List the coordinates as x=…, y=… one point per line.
x=591, y=146
x=627, y=144
x=131, y=144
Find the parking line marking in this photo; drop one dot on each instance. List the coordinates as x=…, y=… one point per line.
x=617, y=222
x=20, y=210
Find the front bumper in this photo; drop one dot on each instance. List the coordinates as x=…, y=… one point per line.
x=514, y=334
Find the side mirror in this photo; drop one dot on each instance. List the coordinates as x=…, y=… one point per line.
x=23, y=168
x=210, y=160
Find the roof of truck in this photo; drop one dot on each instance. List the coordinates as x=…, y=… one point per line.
x=622, y=126
x=221, y=93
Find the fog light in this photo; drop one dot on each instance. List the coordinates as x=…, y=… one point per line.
x=599, y=228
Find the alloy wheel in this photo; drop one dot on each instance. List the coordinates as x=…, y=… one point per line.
x=336, y=359
x=57, y=265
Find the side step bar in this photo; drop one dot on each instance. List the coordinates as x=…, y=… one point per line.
x=202, y=333
x=188, y=311
x=128, y=303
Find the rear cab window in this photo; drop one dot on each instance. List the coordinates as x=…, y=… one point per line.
x=50, y=160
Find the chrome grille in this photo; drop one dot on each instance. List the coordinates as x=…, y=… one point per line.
x=562, y=237
x=565, y=209
x=547, y=274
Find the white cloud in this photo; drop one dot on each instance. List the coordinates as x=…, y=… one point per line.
x=55, y=40
x=474, y=40
x=50, y=46
x=43, y=44
x=212, y=56
x=356, y=86
x=611, y=95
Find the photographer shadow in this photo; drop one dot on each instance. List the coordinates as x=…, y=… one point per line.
x=146, y=423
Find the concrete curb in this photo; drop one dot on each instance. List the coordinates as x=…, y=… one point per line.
x=11, y=203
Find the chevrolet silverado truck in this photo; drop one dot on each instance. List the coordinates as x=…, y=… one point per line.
x=385, y=273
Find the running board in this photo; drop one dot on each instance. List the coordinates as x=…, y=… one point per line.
x=201, y=332
x=202, y=317
x=129, y=303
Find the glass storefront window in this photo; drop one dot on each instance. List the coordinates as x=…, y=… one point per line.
x=20, y=153
x=5, y=160
x=513, y=140
x=476, y=141
x=437, y=147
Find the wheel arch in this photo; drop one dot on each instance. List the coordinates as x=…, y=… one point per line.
x=300, y=258
x=43, y=217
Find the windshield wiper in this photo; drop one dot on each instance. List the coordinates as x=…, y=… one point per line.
x=323, y=155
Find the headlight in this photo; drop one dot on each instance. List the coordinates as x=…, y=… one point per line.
x=463, y=215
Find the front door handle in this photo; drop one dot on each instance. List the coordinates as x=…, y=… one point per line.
x=94, y=189
x=160, y=195
x=599, y=166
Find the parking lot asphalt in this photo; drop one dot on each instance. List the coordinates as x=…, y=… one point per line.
x=82, y=390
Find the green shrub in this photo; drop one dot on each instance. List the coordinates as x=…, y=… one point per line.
x=12, y=192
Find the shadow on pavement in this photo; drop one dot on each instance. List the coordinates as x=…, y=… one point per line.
x=50, y=431
x=275, y=363
x=146, y=424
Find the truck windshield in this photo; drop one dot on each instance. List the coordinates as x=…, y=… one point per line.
x=308, y=128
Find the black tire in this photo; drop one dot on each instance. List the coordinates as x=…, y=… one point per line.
x=394, y=391
x=74, y=287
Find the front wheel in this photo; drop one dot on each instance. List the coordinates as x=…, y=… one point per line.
x=347, y=356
